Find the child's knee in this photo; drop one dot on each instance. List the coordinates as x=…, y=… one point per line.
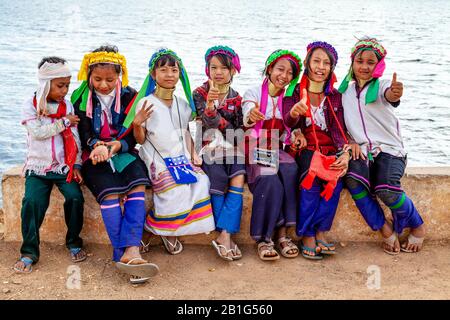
x=388, y=197
x=351, y=183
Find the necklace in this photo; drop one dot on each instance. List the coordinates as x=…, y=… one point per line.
x=164, y=93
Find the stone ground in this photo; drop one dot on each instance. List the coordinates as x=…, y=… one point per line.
x=197, y=273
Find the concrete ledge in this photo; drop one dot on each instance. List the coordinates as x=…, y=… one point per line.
x=429, y=187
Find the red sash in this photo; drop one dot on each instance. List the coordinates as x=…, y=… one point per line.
x=70, y=146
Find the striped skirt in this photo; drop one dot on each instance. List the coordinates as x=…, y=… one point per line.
x=180, y=209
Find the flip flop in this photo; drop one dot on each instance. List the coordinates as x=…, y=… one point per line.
x=144, y=248
x=27, y=262
x=412, y=240
x=390, y=241
x=316, y=256
x=172, y=248
x=219, y=252
x=74, y=252
x=138, y=280
x=236, y=253
x=143, y=270
x=327, y=246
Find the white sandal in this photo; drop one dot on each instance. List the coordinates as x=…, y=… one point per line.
x=413, y=240
x=138, y=280
x=390, y=241
x=217, y=246
x=172, y=248
x=144, y=269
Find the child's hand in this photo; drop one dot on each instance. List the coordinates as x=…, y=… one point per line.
x=77, y=176
x=300, y=108
x=356, y=152
x=115, y=147
x=299, y=141
x=73, y=118
x=143, y=114
x=213, y=94
x=256, y=115
x=99, y=154
x=341, y=163
x=196, y=160
x=395, y=92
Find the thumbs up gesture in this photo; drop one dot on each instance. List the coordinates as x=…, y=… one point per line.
x=213, y=95
x=255, y=114
x=301, y=107
x=395, y=92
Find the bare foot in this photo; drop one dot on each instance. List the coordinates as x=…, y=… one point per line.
x=311, y=243
x=132, y=253
x=418, y=232
x=386, y=231
x=320, y=236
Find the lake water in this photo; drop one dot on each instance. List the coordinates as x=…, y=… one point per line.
x=414, y=32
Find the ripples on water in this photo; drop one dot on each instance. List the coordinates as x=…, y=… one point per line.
x=415, y=34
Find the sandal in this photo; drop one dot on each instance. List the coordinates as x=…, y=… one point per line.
x=313, y=256
x=326, y=247
x=218, y=248
x=265, y=254
x=172, y=248
x=144, y=248
x=138, y=280
x=27, y=265
x=77, y=254
x=390, y=241
x=143, y=269
x=236, y=253
x=290, y=246
x=412, y=240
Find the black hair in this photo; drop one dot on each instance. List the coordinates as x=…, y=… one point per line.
x=52, y=59
x=224, y=60
x=330, y=56
x=166, y=59
x=107, y=48
x=295, y=70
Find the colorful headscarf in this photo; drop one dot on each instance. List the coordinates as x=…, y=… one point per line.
x=226, y=51
x=329, y=83
x=46, y=73
x=84, y=91
x=380, y=52
x=291, y=56
x=149, y=85
x=271, y=60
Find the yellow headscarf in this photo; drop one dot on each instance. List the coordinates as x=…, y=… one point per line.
x=103, y=57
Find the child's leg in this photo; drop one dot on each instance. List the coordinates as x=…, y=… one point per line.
x=367, y=204
x=112, y=218
x=133, y=223
x=34, y=205
x=325, y=216
x=230, y=215
x=390, y=170
x=73, y=211
x=306, y=221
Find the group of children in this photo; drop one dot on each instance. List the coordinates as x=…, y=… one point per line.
x=295, y=139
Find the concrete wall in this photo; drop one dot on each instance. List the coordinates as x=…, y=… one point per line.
x=429, y=187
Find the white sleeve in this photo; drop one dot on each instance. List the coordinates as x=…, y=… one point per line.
x=384, y=85
x=34, y=124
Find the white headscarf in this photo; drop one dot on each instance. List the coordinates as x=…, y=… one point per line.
x=47, y=72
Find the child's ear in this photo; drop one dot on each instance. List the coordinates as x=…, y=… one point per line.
x=233, y=71
x=153, y=74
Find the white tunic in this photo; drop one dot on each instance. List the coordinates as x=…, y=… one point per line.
x=178, y=209
x=373, y=126
x=45, y=143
